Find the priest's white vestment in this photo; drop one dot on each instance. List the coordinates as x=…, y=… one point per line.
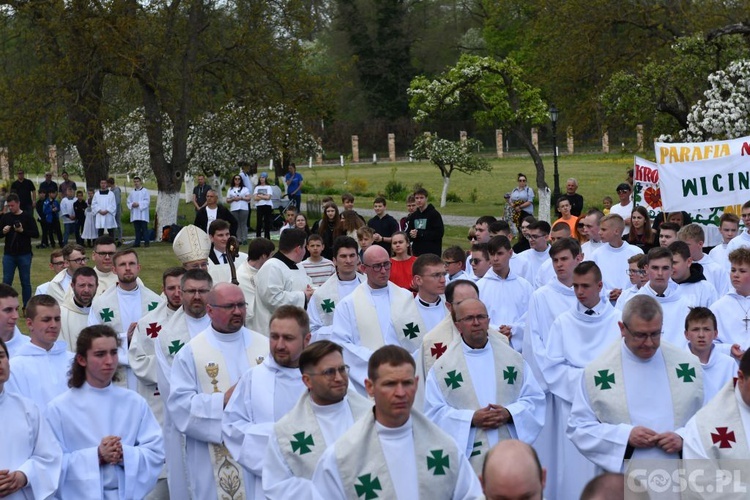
x=507, y=302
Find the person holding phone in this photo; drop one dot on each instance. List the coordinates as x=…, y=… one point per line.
x=18, y=227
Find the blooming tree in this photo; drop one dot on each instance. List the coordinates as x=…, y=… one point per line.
x=725, y=112
x=448, y=156
x=499, y=95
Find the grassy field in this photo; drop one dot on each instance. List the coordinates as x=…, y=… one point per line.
x=598, y=175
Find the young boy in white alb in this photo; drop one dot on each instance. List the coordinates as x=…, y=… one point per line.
x=718, y=368
x=732, y=311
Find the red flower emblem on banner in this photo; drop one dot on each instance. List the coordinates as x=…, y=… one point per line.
x=652, y=197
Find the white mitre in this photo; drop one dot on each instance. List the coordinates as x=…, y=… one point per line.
x=191, y=243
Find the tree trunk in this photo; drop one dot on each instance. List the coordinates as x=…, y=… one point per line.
x=545, y=199
x=88, y=129
x=520, y=132
x=166, y=210
x=444, y=195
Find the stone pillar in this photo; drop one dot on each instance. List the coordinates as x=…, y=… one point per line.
x=605, y=141
x=639, y=137
x=355, y=148
x=52, y=155
x=4, y=165
x=319, y=154
x=535, y=137
x=499, y=142
x=463, y=136
x=392, y=147
x=571, y=145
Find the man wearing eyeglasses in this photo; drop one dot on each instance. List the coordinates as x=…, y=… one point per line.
x=538, y=254
x=203, y=377
x=575, y=338
x=675, y=303
x=266, y=393
x=633, y=401
x=281, y=280
x=375, y=314
x=481, y=391
x=481, y=235
x=104, y=250
x=74, y=257
x=167, y=338
x=321, y=415
x=429, y=277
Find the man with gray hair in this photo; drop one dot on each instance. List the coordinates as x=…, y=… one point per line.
x=575, y=199
x=634, y=400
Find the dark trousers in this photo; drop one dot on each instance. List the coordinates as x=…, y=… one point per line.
x=141, y=232
x=53, y=229
x=263, y=221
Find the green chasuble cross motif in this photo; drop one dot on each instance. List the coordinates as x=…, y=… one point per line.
x=685, y=372
x=153, y=305
x=107, y=314
x=439, y=462
x=302, y=443
x=411, y=330
x=368, y=486
x=328, y=305
x=454, y=379
x=175, y=347
x=604, y=379
x=510, y=374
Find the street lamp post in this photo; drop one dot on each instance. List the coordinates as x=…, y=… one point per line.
x=553, y=115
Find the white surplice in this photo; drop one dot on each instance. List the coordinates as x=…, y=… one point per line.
x=732, y=313
x=507, y=302
x=613, y=263
x=675, y=306
x=28, y=445
x=40, y=375
x=250, y=415
x=575, y=339
x=17, y=341
x=720, y=369
x=279, y=286
x=81, y=418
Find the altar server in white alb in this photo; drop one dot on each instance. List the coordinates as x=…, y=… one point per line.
x=281, y=280
x=546, y=304
x=612, y=257
x=505, y=294
x=139, y=201
x=393, y=452
x=259, y=250
x=375, y=314
x=715, y=273
x=690, y=277
x=481, y=391
x=111, y=442
x=575, y=339
x=429, y=278
x=40, y=369
x=104, y=208
x=718, y=368
x=721, y=429
x=30, y=457
x=322, y=414
x=323, y=302
x=634, y=400
x=203, y=377
x=9, y=332
x=186, y=323
x=675, y=304
x=266, y=393
x=733, y=309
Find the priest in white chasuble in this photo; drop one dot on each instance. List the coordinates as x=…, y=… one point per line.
x=30, y=457
x=185, y=324
x=721, y=429
x=75, y=308
x=481, y=391
x=203, y=377
x=375, y=314
x=635, y=399
x=112, y=444
x=266, y=393
x=321, y=415
x=394, y=452
x=122, y=306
